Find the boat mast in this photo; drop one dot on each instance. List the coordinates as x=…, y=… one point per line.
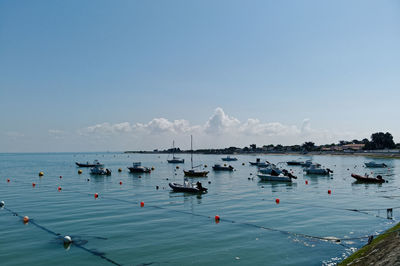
x=191, y=150
x=173, y=149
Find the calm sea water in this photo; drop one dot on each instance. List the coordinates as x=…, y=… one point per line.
x=179, y=229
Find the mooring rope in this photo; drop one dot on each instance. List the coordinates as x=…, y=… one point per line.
x=33, y=222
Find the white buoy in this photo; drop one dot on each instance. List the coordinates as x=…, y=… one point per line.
x=2, y=203
x=67, y=239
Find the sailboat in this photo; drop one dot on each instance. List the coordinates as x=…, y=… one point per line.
x=175, y=159
x=192, y=172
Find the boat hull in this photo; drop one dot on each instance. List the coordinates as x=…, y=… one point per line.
x=222, y=168
x=375, y=165
x=365, y=179
x=88, y=165
x=179, y=188
x=196, y=174
x=265, y=177
x=176, y=161
x=139, y=170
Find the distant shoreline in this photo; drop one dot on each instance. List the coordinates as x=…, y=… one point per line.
x=381, y=155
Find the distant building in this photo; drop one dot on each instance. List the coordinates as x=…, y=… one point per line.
x=354, y=147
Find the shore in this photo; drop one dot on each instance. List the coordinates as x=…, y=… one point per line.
x=378, y=155
x=383, y=250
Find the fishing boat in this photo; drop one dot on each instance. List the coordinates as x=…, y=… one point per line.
x=192, y=172
x=175, y=159
x=228, y=158
x=375, y=165
x=100, y=171
x=87, y=164
x=367, y=179
x=188, y=187
x=315, y=169
x=138, y=168
x=218, y=167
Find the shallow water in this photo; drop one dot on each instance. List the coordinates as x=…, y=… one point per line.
x=179, y=229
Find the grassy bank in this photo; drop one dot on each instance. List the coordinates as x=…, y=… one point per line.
x=383, y=250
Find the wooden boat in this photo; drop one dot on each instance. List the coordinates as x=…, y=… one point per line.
x=95, y=163
x=375, y=165
x=99, y=171
x=175, y=159
x=192, y=172
x=218, y=167
x=367, y=179
x=187, y=187
x=229, y=158
x=138, y=168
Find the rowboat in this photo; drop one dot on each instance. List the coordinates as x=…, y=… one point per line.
x=367, y=179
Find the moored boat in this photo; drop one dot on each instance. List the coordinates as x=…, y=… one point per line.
x=228, y=158
x=175, y=159
x=258, y=160
x=138, y=168
x=281, y=177
x=188, y=187
x=307, y=163
x=368, y=179
x=192, y=172
x=294, y=162
x=315, y=169
x=218, y=167
x=100, y=171
x=95, y=163
x=375, y=165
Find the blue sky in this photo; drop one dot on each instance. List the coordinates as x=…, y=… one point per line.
x=116, y=75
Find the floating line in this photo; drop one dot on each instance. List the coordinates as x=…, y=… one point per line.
x=33, y=222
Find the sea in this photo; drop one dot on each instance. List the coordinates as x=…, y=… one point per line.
x=137, y=219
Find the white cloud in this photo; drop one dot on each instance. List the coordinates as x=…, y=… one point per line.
x=220, y=130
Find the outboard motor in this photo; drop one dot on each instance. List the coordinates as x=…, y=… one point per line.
x=329, y=170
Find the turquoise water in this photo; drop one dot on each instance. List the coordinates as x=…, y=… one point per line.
x=179, y=229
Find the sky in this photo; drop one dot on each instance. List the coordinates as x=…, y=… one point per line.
x=103, y=75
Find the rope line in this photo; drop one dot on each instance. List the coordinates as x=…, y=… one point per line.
x=33, y=222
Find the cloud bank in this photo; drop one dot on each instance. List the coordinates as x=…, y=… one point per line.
x=220, y=130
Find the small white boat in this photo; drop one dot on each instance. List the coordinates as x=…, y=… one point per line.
x=229, y=158
x=375, y=165
x=270, y=169
x=315, y=169
x=281, y=177
x=175, y=159
x=100, y=171
x=138, y=168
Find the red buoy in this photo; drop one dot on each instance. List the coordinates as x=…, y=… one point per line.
x=277, y=201
x=120, y=182
x=59, y=188
x=329, y=191
x=306, y=182
x=96, y=195
x=8, y=180
x=33, y=184
x=217, y=218
x=142, y=204
x=26, y=219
